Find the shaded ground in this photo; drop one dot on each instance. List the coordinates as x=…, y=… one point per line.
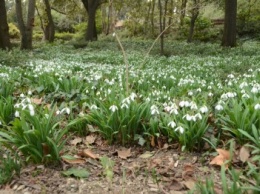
x=136, y=170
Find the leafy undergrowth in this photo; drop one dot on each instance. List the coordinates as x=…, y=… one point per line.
x=186, y=123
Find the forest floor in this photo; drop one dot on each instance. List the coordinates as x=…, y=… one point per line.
x=135, y=170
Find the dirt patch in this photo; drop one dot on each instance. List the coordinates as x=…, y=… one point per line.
x=142, y=171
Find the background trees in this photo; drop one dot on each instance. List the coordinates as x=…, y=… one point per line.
x=199, y=20
x=4, y=35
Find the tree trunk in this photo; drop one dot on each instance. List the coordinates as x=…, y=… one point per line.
x=4, y=29
x=25, y=30
x=49, y=30
x=91, y=8
x=162, y=18
x=194, y=16
x=152, y=17
x=229, y=35
x=183, y=11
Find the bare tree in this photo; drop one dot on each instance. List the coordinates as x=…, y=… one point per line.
x=26, y=30
x=194, y=15
x=4, y=30
x=91, y=8
x=229, y=35
x=49, y=30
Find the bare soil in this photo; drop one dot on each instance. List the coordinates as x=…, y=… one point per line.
x=136, y=170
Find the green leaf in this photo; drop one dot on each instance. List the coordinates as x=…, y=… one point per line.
x=79, y=173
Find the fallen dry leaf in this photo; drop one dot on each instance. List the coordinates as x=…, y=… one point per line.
x=188, y=172
x=75, y=141
x=36, y=101
x=90, y=139
x=244, y=154
x=147, y=154
x=124, y=154
x=152, y=139
x=45, y=149
x=190, y=184
x=88, y=153
x=222, y=158
x=72, y=160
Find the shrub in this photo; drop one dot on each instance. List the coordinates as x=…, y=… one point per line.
x=14, y=32
x=64, y=36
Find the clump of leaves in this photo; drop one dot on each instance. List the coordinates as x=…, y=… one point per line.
x=38, y=136
x=9, y=166
x=108, y=166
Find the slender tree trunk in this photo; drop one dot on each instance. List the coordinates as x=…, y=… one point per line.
x=194, y=16
x=171, y=12
x=49, y=30
x=229, y=35
x=162, y=18
x=91, y=8
x=4, y=29
x=183, y=11
x=26, y=30
x=152, y=17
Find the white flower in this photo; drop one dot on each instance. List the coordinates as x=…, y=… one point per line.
x=126, y=101
x=154, y=110
x=210, y=94
x=219, y=107
x=22, y=95
x=124, y=105
x=190, y=93
x=245, y=95
x=254, y=90
x=113, y=108
x=114, y=34
x=189, y=117
x=32, y=113
x=204, y=109
x=93, y=107
x=184, y=104
x=198, y=115
x=17, y=114
x=133, y=96
x=30, y=107
x=193, y=106
x=257, y=107
x=172, y=124
x=30, y=92
x=180, y=129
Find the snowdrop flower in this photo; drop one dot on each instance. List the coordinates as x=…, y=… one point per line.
x=93, y=107
x=148, y=99
x=30, y=107
x=204, y=109
x=126, y=101
x=254, y=90
x=189, y=117
x=29, y=92
x=245, y=95
x=47, y=116
x=124, y=105
x=32, y=113
x=184, y=104
x=257, y=107
x=17, y=114
x=133, y=96
x=180, y=129
x=193, y=106
x=210, y=94
x=198, y=115
x=219, y=107
x=172, y=124
x=154, y=110
x=113, y=108
x=22, y=95
x=190, y=93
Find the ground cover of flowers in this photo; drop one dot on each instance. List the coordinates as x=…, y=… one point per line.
x=165, y=123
